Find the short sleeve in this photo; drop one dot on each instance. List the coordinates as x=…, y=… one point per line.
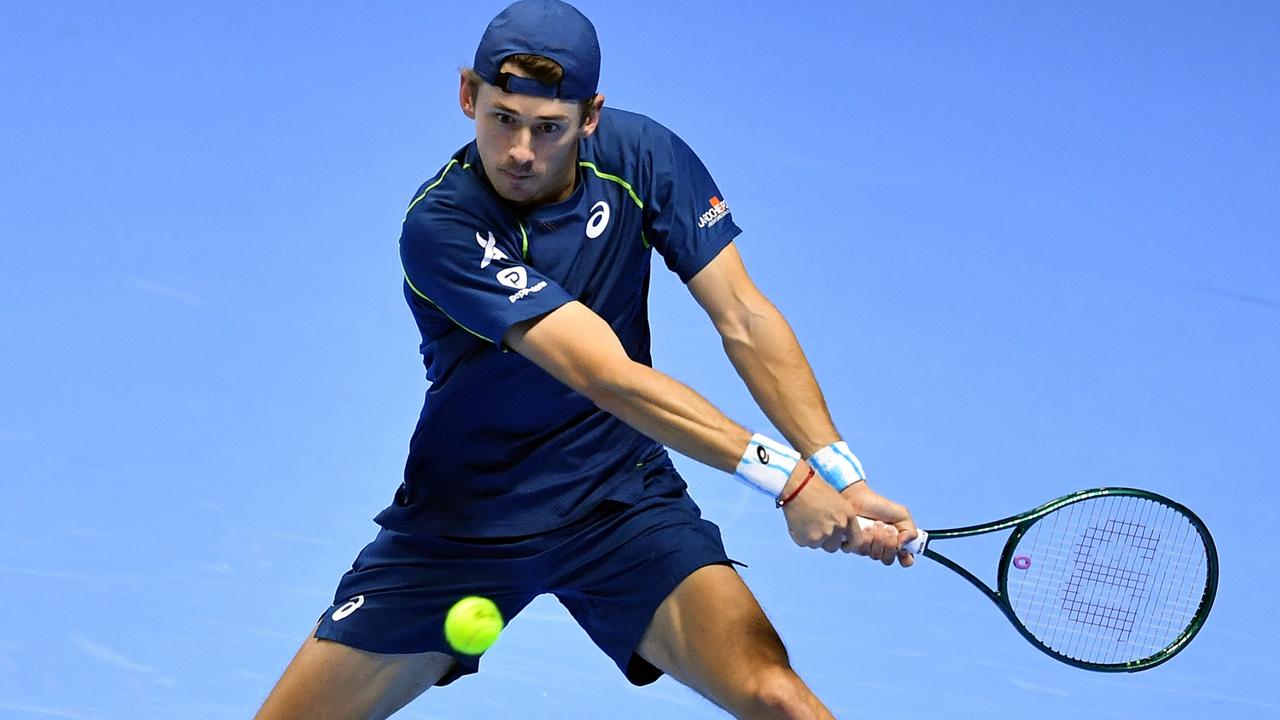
x=690, y=222
x=474, y=275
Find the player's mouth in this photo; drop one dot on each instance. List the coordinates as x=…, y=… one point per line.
x=515, y=177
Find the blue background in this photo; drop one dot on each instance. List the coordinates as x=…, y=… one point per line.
x=1028, y=248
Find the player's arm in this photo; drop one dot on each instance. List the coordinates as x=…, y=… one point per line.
x=766, y=354
x=578, y=348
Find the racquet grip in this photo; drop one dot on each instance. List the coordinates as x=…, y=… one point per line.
x=915, y=547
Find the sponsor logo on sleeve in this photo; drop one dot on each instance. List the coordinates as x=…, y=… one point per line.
x=491, y=251
x=514, y=277
x=719, y=211
x=517, y=278
x=599, y=219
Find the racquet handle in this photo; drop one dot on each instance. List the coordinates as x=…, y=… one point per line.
x=915, y=547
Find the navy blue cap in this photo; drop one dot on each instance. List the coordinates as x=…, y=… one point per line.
x=552, y=29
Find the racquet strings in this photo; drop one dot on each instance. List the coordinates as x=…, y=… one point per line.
x=1110, y=580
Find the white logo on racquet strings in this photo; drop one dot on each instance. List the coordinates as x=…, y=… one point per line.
x=599, y=219
x=352, y=605
x=491, y=252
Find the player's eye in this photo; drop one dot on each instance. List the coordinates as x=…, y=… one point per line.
x=504, y=118
x=549, y=128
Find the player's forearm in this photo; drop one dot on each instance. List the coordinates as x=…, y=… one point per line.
x=672, y=414
x=579, y=349
x=767, y=356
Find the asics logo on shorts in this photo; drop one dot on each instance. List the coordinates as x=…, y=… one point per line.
x=351, y=606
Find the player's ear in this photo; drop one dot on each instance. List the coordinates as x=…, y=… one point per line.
x=467, y=96
x=593, y=117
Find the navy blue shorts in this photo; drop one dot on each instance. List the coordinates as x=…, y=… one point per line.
x=610, y=569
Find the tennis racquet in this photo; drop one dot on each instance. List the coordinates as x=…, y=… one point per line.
x=1109, y=579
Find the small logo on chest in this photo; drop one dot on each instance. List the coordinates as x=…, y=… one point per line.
x=599, y=219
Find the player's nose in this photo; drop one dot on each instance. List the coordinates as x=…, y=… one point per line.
x=521, y=150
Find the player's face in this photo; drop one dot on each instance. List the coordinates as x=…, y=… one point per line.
x=528, y=144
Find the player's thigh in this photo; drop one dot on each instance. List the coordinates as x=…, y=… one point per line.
x=330, y=681
x=712, y=635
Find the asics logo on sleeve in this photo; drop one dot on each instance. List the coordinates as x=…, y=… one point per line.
x=491, y=251
x=599, y=219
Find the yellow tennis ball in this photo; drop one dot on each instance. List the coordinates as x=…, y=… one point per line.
x=472, y=625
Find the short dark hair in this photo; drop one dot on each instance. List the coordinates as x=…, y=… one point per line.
x=542, y=69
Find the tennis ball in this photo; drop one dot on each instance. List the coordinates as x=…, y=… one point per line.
x=472, y=625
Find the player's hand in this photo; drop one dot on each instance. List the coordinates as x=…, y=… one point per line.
x=818, y=517
x=883, y=540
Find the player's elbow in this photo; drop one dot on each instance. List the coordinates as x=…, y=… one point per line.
x=744, y=329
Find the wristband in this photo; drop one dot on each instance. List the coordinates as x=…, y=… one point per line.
x=766, y=465
x=838, y=465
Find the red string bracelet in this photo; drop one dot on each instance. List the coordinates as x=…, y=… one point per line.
x=796, y=492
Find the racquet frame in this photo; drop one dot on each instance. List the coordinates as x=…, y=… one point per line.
x=1023, y=521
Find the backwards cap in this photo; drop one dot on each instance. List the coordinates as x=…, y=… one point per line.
x=552, y=29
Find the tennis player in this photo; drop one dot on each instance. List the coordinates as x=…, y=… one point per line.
x=539, y=463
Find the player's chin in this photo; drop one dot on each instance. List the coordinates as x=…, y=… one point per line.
x=518, y=195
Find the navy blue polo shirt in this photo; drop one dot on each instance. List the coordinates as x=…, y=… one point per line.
x=501, y=447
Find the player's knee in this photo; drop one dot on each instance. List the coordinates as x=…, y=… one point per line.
x=780, y=693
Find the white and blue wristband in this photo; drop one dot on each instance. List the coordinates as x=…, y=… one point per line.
x=766, y=465
x=838, y=465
